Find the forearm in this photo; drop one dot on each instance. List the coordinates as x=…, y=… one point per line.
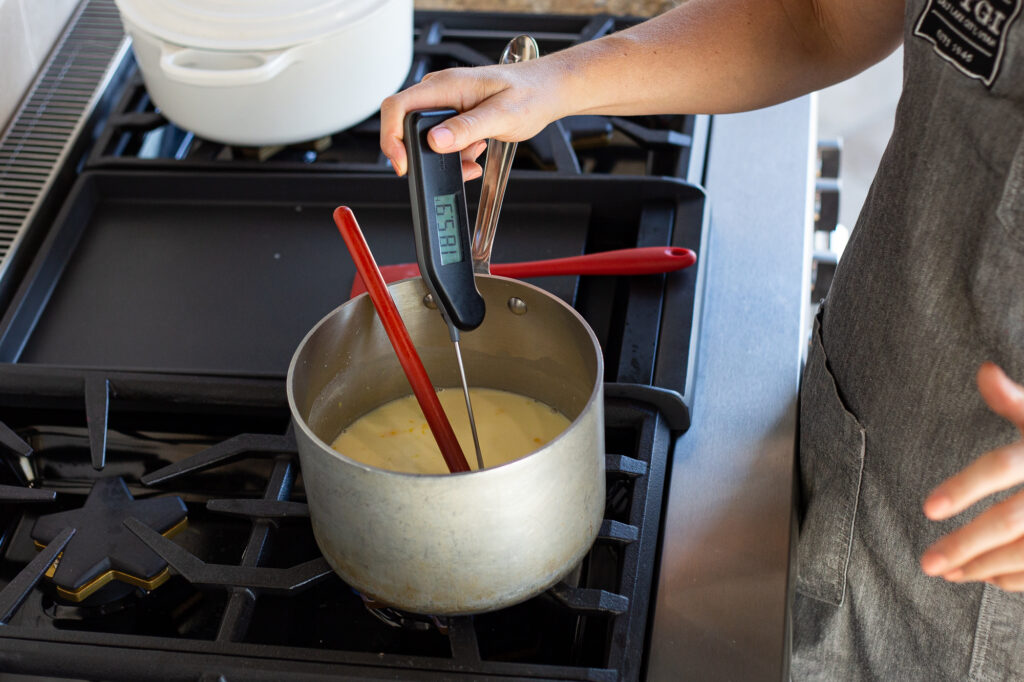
x=713, y=56
x=706, y=56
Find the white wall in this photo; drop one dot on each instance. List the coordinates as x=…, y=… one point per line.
x=28, y=29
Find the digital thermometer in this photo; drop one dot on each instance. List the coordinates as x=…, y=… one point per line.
x=441, y=225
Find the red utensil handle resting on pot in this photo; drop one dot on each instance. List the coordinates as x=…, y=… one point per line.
x=647, y=260
x=401, y=341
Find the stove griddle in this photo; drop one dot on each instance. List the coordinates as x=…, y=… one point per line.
x=223, y=273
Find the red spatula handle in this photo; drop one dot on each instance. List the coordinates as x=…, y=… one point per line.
x=415, y=372
x=645, y=260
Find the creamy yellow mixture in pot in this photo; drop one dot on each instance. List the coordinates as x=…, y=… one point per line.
x=395, y=436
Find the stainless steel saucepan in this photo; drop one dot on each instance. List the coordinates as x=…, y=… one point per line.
x=453, y=543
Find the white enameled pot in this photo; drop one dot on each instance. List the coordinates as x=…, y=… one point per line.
x=267, y=72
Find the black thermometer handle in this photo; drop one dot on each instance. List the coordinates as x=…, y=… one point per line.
x=441, y=223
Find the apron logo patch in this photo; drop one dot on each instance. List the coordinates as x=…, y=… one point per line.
x=970, y=34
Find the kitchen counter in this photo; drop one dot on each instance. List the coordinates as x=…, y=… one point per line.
x=636, y=8
x=721, y=610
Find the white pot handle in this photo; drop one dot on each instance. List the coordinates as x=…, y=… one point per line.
x=222, y=69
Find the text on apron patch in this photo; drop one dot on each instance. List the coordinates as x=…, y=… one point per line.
x=970, y=34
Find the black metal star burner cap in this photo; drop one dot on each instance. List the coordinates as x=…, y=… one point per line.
x=103, y=549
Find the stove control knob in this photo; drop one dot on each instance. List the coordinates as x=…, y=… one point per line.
x=826, y=219
x=827, y=186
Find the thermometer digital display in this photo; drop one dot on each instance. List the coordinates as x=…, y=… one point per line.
x=448, y=229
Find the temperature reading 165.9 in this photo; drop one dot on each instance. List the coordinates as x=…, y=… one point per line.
x=448, y=229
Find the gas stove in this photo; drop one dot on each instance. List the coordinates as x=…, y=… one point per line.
x=153, y=286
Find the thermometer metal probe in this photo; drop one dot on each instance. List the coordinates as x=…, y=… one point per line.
x=441, y=226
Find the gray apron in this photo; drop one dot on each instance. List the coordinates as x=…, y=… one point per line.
x=931, y=285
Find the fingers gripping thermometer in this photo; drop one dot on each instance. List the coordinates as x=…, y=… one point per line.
x=441, y=225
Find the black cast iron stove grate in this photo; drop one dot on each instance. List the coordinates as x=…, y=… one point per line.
x=248, y=588
x=137, y=134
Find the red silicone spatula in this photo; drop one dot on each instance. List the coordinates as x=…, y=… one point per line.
x=395, y=328
x=646, y=260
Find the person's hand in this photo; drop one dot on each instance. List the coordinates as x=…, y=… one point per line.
x=511, y=102
x=991, y=547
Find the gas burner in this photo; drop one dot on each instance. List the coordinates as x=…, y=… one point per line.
x=113, y=598
x=103, y=549
x=305, y=149
x=403, y=620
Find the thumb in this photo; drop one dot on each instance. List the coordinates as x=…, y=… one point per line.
x=1004, y=396
x=489, y=119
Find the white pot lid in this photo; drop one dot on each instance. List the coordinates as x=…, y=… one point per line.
x=243, y=24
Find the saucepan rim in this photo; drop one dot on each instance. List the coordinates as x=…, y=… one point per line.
x=493, y=471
